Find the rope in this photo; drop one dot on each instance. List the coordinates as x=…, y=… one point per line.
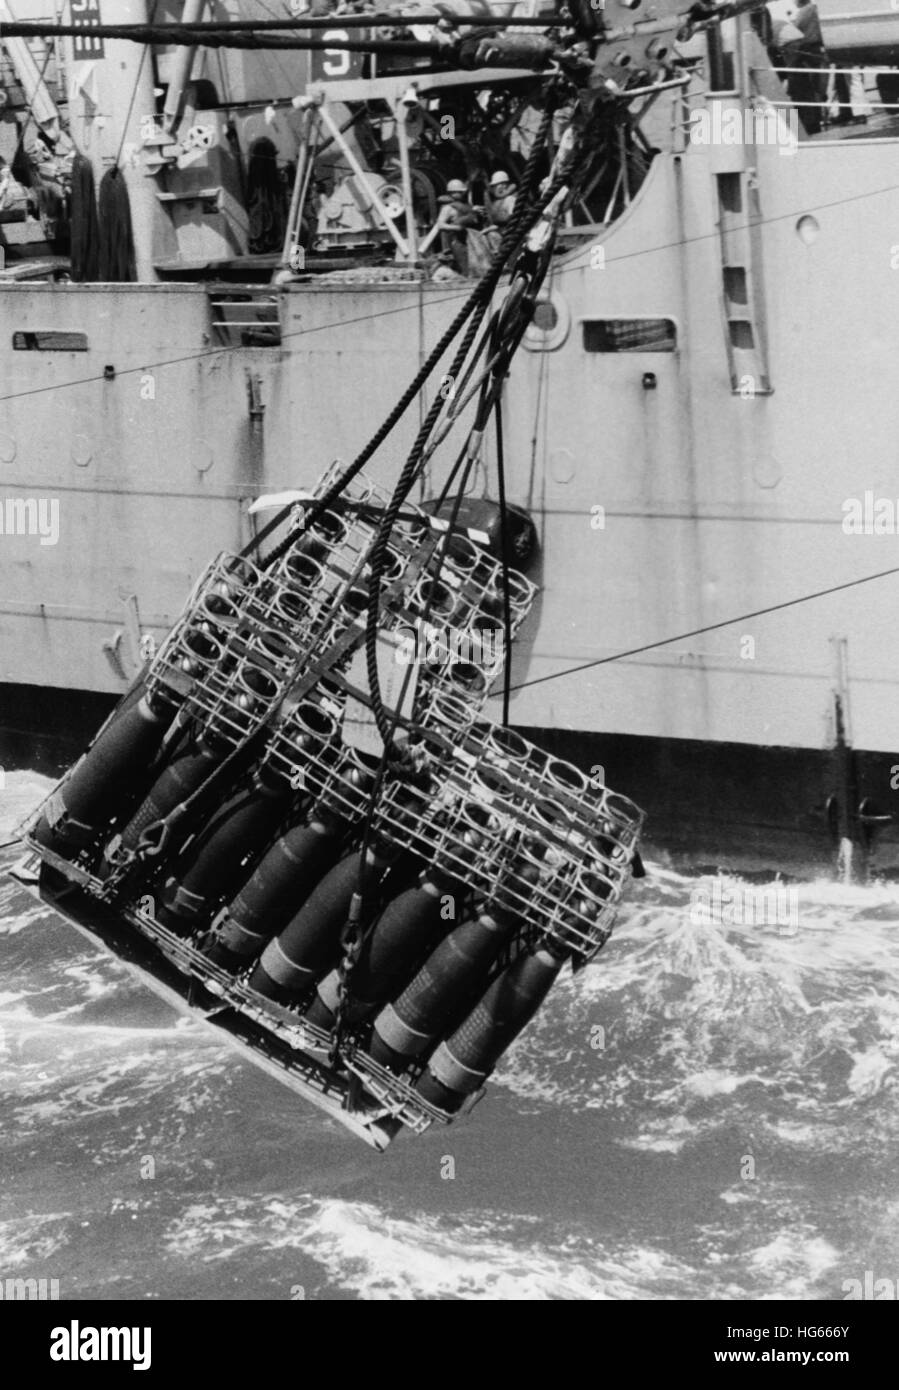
x=399, y=410
x=504, y=539
x=38, y=28
x=134, y=91
x=709, y=627
x=523, y=215
x=85, y=248
x=351, y=936
x=193, y=37
x=479, y=296
x=116, y=252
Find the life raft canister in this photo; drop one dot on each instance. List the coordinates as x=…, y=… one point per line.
x=310, y=944
x=462, y=1063
x=282, y=880
x=109, y=777
x=404, y=932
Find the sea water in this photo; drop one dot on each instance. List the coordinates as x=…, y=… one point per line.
x=709, y=1111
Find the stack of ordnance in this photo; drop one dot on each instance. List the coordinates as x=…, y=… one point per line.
x=239, y=790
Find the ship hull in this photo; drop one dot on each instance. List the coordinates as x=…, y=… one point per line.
x=709, y=805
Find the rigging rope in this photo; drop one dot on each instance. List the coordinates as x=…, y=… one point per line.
x=504, y=542
x=525, y=213
x=710, y=627
x=190, y=37
x=480, y=295
x=39, y=28
x=527, y=210
x=352, y=934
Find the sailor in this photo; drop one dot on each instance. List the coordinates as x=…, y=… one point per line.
x=499, y=206
x=807, y=19
x=799, y=72
x=13, y=197
x=501, y=194
x=813, y=56
x=785, y=37
x=51, y=181
x=760, y=21
x=454, y=219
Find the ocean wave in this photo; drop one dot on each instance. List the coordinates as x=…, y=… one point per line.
x=22, y=793
x=713, y=1022
x=70, y=1080
x=27, y=1241
x=378, y=1256
x=398, y=1258
x=685, y=1046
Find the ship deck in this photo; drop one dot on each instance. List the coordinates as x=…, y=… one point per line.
x=876, y=125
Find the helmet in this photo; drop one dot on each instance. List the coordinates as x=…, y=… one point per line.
x=498, y=178
x=456, y=186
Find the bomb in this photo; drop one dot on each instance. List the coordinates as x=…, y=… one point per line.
x=283, y=879
x=310, y=943
x=453, y=974
x=405, y=931
x=441, y=990
x=462, y=1063
x=184, y=776
x=217, y=863
x=111, y=774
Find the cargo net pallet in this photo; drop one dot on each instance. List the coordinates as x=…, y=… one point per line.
x=234, y=814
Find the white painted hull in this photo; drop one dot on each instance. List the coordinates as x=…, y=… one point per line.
x=716, y=506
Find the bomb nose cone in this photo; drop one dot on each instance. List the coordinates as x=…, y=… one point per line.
x=104, y=783
x=462, y=1063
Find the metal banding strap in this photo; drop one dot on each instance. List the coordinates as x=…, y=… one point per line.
x=235, y=936
x=55, y=809
x=329, y=990
x=281, y=969
x=454, y=1074
x=184, y=899
x=398, y=1035
x=60, y=821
